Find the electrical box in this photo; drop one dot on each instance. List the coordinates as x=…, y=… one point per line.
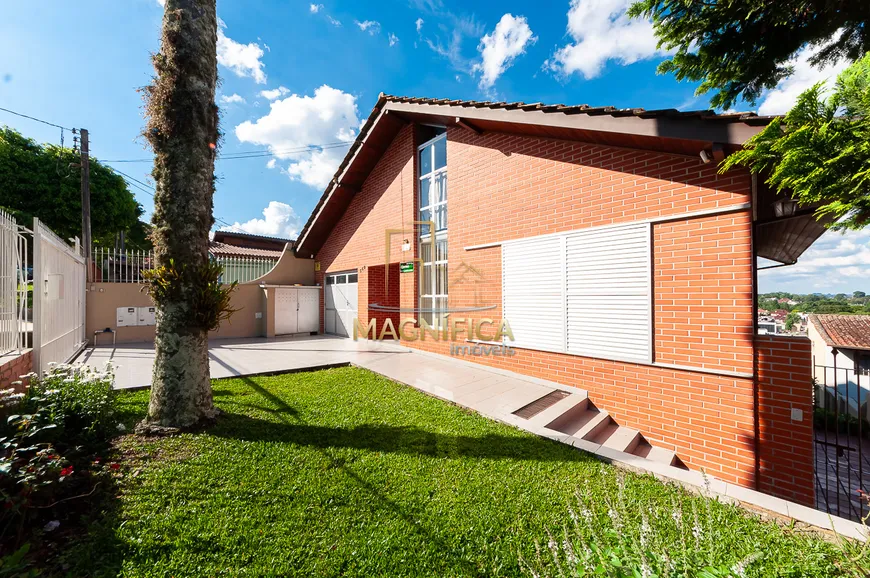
x=147, y=316
x=127, y=317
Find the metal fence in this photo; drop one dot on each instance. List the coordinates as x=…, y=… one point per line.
x=14, y=281
x=842, y=438
x=58, y=298
x=244, y=269
x=116, y=266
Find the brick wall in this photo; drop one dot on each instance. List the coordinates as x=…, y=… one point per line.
x=785, y=445
x=12, y=367
x=507, y=187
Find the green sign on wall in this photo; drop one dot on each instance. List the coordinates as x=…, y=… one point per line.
x=407, y=267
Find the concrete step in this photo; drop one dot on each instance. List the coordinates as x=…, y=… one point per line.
x=572, y=421
x=663, y=456
x=624, y=439
x=574, y=404
x=591, y=423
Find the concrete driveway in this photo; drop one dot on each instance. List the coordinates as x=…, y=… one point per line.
x=238, y=357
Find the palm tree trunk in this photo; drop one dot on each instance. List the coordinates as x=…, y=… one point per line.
x=182, y=128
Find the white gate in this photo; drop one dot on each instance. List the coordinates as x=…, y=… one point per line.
x=58, y=298
x=13, y=286
x=341, y=303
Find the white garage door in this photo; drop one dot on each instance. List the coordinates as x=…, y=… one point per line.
x=341, y=303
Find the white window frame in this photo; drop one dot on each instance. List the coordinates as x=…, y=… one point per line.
x=431, y=292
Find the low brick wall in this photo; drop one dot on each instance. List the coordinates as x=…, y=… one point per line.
x=785, y=448
x=12, y=367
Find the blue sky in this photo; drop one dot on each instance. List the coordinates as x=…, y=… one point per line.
x=296, y=74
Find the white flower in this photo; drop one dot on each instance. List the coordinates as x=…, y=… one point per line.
x=121, y=427
x=51, y=526
x=739, y=569
x=697, y=531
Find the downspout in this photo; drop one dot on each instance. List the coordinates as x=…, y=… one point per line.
x=756, y=412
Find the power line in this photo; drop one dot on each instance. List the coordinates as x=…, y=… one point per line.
x=251, y=154
x=36, y=119
x=135, y=182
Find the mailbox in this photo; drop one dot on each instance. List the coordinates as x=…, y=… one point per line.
x=147, y=316
x=127, y=317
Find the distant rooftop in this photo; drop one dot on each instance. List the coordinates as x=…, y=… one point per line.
x=844, y=331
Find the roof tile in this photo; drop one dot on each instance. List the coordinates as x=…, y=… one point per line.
x=846, y=331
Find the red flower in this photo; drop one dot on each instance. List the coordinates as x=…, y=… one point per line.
x=115, y=466
x=66, y=471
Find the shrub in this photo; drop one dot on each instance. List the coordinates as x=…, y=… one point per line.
x=48, y=437
x=78, y=401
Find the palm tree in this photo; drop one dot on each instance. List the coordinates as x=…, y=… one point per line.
x=182, y=129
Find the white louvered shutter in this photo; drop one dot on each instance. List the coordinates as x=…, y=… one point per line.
x=533, y=292
x=609, y=293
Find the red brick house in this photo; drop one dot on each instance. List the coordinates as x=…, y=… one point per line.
x=622, y=261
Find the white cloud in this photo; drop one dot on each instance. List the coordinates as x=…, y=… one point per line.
x=243, y=59
x=837, y=262
x=393, y=39
x=784, y=96
x=459, y=29
x=333, y=21
x=279, y=220
x=315, y=8
x=274, y=93
x=232, y=99
x=419, y=24
x=602, y=31
x=499, y=49
x=298, y=121
x=161, y=2
x=371, y=26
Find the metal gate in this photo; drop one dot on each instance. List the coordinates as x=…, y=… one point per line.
x=13, y=286
x=842, y=433
x=58, y=298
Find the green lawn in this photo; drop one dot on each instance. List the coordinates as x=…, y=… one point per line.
x=343, y=473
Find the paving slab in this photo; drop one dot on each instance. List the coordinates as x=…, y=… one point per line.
x=239, y=357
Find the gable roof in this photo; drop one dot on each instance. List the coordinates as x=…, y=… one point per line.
x=843, y=331
x=666, y=130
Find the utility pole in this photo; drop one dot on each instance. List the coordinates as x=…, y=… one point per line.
x=86, y=202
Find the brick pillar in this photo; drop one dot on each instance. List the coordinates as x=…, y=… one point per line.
x=785, y=414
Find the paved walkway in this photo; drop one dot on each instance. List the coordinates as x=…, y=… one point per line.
x=238, y=357
x=449, y=378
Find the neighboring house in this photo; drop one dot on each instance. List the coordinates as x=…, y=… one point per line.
x=246, y=257
x=621, y=259
x=841, y=354
x=768, y=326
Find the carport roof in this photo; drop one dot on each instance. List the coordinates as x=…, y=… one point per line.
x=661, y=130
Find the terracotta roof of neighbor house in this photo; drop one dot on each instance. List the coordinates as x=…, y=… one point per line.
x=666, y=130
x=226, y=250
x=844, y=331
x=223, y=235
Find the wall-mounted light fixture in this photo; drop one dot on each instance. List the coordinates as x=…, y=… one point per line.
x=705, y=157
x=784, y=207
